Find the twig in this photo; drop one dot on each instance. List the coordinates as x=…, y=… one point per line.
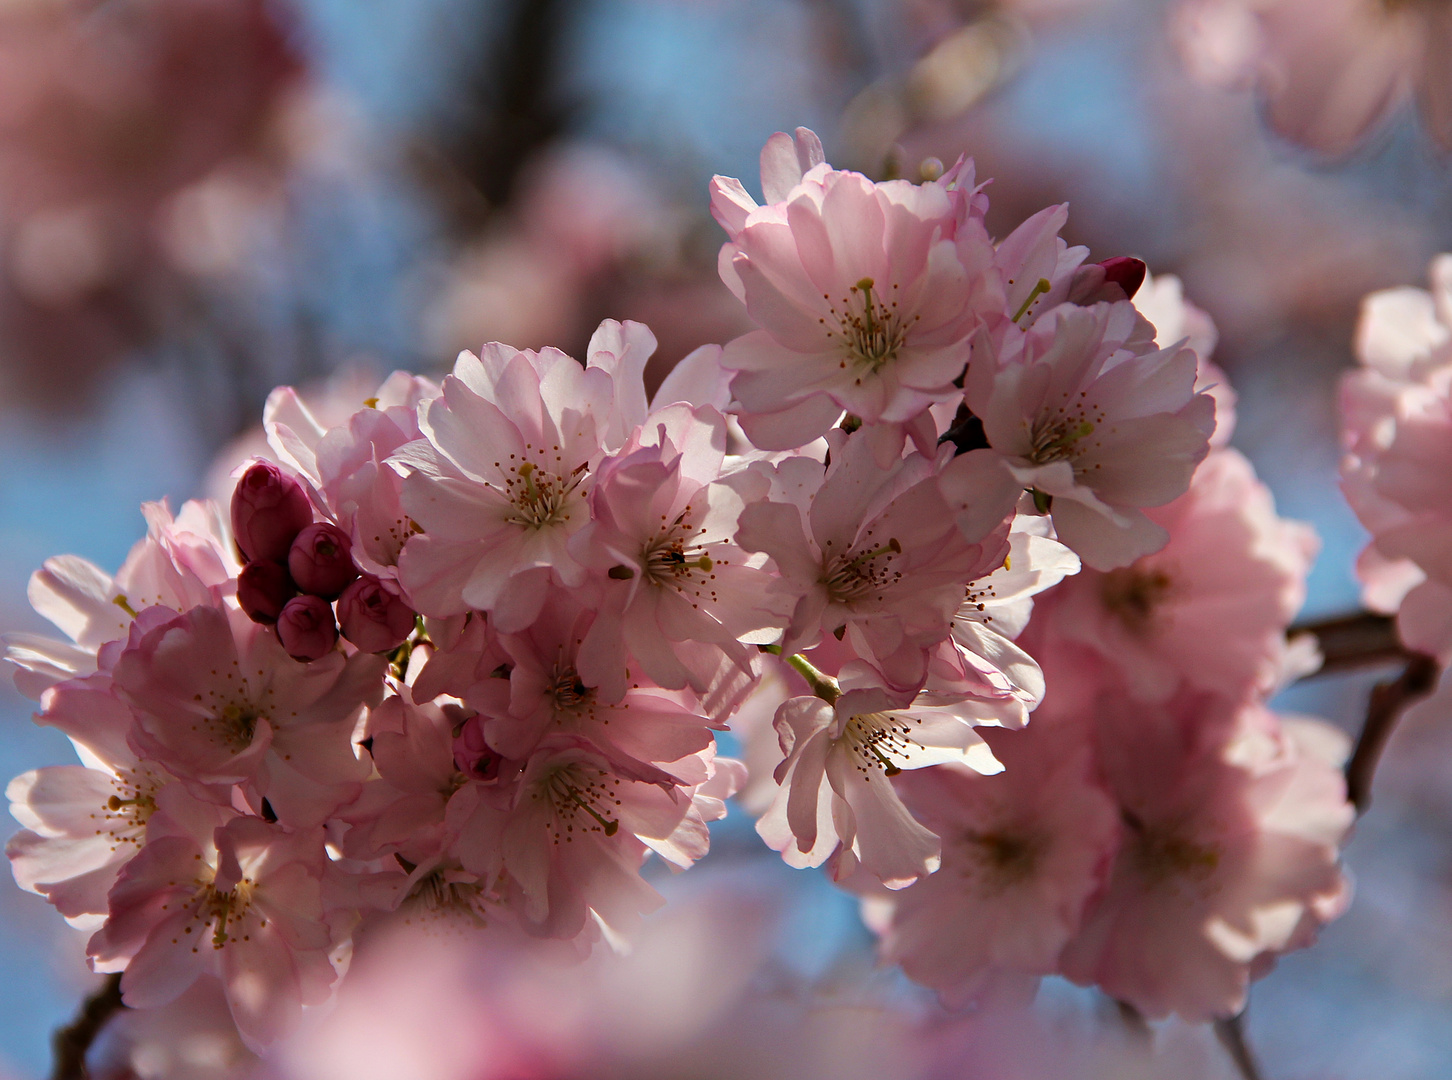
x=1135, y=1023
x=72, y=1042
x=1231, y=1033
x=1388, y=701
x=1355, y=641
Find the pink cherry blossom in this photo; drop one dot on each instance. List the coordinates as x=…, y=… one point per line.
x=218, y=701
x=679, y=594
x=81, y=826
x=242, y=902
x=178, y=565
x=869, y=552
x=837, y=800
x=865, y=292
x=1231, y=843
x=1232, y=573
x=580, y=828
x=1161, y=300
x=1024, y=851
x=547, y=690
x=499, y=486
x=402, y=809
x=1081, y=408
x=346, y=463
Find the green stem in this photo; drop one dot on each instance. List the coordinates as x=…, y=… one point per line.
x=822, y=684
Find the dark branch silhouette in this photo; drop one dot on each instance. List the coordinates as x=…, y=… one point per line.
x=73, y=1042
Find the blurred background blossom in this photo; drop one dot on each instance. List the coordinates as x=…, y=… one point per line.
x=200, y=199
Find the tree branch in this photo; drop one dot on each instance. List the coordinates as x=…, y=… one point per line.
x=1355, y=641
x=1231, y=1034
x=72, y=1042
x=1388, y=701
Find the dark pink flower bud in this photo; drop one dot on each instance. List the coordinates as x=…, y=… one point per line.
x=472, y=755
x=1113, y=279
x=1125, y=271
x=373, y=618
x=269, y=509
x=306, y=628
x=321, y=560
x=262, y=590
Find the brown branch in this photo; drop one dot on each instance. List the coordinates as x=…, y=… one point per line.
x=72, y=1042
x=1231, y=1033
x=1355, y=641
x=1134, y=1023
x=1388, y=701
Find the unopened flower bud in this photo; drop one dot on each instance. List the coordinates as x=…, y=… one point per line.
x=269, y=509
x=472, y=755
x=321, y=560
x=1126, y=272
x=373, y=618
x=306, y=628
x=262, y=590
x=1111, y=280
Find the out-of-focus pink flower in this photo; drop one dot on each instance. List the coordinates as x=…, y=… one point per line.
x=1330, y=70
x=1229, y=856
x=1396, y=414
x=242, y=902
x=110, y=118
x=1081, y=408
x=865, y=292
x=1233, y=574
x=1023, y=852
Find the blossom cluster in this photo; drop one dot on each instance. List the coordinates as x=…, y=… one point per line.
x=459, y=660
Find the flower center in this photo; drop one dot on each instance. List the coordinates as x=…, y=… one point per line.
x=877, y=740
x=585, y=801
x=849, y=577
x=237, y=724
x=568, y=690
x=445, y=894
x=1133, y=594
x=1001, y=858
x=1060, y=435
x=125, y=814
x=541, y=498
x=1161, y=853
x=869, y=328
x=669, y=558
x=221, y=909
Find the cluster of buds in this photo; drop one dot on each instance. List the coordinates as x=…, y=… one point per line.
x=296, y=568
